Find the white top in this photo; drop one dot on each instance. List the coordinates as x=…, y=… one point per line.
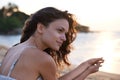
x=3, y=77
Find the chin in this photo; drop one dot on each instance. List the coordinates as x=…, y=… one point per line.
x=56, y=48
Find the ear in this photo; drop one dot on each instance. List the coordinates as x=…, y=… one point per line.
x=40, y=28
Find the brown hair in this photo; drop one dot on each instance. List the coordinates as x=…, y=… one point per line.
x=46, y=16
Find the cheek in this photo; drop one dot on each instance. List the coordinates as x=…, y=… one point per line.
x=49, y=39
x=51, y=36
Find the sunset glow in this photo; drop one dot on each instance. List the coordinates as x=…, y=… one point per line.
x=106, y=49
x=102, y=15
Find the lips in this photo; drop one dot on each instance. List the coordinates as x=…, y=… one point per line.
x=59, y=43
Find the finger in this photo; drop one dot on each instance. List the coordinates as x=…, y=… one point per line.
x=98, y=64
x=95, y=60
x=93, y=68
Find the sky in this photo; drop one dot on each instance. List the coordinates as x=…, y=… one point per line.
x=99, y=15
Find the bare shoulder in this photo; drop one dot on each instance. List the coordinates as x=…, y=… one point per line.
x=38, y=58
x=42, y=62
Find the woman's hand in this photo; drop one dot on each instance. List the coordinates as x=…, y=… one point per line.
x=88, y=67
x=94, y=64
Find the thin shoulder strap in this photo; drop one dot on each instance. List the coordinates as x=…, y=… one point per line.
x=14, y=63
x=12, y=66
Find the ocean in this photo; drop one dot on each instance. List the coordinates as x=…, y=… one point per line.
x=86, y=46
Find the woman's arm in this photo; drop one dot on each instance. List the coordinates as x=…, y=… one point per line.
x=83, y=70
x=75, y=72
x=91, y=69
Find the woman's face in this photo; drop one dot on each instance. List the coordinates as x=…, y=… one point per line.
x=54, y=35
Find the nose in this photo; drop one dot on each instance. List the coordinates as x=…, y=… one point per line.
x=63, y=37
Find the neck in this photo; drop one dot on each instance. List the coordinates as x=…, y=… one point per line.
x=32, y=41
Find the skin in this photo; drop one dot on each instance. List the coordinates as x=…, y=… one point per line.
x=84, y=69
x=34, y=62
x=52, y=36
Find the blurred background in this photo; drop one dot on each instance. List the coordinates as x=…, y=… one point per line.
x=98, y=27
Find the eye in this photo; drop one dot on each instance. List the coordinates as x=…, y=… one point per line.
x=60, y=30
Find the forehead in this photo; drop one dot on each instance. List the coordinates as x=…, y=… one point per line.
x=60, y=23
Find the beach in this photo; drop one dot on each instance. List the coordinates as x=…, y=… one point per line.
x=95, y=76
x=103, y=76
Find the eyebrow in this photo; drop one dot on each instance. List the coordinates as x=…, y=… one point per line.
x=63, y=29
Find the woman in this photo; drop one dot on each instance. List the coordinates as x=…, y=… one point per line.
x=44, y=46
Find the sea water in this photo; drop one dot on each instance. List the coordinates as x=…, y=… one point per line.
x=86, y=46
x=101, y=44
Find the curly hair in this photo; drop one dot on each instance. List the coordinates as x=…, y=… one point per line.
x=46, y=16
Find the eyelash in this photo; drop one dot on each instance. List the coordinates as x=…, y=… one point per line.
x=60, y=30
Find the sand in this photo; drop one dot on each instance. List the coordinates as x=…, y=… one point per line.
x=95, y=76
x=103, y=76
